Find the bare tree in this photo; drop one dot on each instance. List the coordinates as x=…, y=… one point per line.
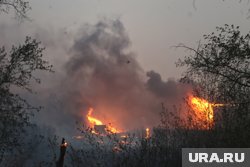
x=225, y=56
x=20, y=7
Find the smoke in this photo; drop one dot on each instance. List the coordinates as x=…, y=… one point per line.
x=95, y=68
x=170, y=90
x=102, y=73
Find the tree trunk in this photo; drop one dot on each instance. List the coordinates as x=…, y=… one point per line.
x=63, y=147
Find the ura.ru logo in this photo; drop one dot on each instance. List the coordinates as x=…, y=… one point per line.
x=214, y=157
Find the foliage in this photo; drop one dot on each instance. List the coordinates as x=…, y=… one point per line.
x=225, y=55
x=220, y=71
x=17, y=72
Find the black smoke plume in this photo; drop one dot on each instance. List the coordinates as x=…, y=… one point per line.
x=102, y=73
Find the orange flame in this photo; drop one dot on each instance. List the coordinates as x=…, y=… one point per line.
x=94, y=121
x=112, y=129
x=147, y=133
x=204, y=113
x=202, y=108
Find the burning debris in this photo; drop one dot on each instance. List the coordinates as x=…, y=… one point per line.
x=100, y=129
x=97, y=126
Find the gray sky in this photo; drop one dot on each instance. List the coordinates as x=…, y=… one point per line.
x=153, y=26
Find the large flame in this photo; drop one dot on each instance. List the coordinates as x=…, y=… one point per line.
x=202, y=108
x=204, y=113
x=94, y=121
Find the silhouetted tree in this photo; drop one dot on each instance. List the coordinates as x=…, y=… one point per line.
x=221, y=69
x=17, y=72
x=17, y=69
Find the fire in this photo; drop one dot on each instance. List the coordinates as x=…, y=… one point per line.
x=94, y=121
x=203, y=111
x=65, y=144
x=202, y=108
x=147, y=133
x=204, y=114
x=111, y=129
